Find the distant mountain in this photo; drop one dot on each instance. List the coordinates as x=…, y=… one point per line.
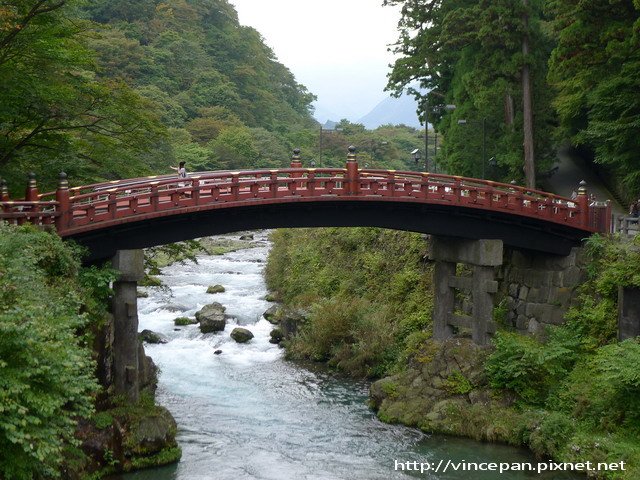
x=393, y=111
x=330, y=125
x=323, y=115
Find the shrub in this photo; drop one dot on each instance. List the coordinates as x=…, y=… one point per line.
x=46, y=371
x=530, y=368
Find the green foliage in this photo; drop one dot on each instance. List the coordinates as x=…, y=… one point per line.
x=583, y=383
x=613, y=263
x=553, y=434
x=457, y=384
x=469, y=53
x=530, y=368
x=603, y=389
x=54, y=114
x=102, y=420
x=595, y=70
x=46, y=370
x=368, y=289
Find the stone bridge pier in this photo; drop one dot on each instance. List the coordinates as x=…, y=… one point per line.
x=481, y=257
x=126, y=346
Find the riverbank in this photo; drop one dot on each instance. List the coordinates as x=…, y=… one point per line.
x=248, y=413
x=569, y=393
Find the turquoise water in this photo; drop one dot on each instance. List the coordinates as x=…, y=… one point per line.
x=249, y=414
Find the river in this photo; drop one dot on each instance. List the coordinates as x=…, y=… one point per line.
x=249, y=414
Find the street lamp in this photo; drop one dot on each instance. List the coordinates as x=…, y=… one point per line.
x=416, y=155
x=463, y=121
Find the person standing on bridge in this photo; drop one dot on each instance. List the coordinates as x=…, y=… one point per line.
x=634, y=209
x=181, y=169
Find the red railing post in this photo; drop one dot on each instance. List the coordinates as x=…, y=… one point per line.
x=273, y=183
x=4, y=191
x=583, y=203
x=64, y=203
x=353, y=175
x=296, y=162
x=31, y=194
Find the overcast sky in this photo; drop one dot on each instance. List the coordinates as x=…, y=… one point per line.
x=336, y=48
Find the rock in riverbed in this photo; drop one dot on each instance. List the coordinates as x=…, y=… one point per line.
x=276, y=336
x=271, y=313
x=150, y=336
x=216, y=289
x=211, y=318
x=241, y=335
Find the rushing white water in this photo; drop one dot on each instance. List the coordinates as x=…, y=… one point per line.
x=249, y=414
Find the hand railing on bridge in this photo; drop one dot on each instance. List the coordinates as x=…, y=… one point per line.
x=86, y=207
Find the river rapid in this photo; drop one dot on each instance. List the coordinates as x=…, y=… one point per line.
x=249, y=414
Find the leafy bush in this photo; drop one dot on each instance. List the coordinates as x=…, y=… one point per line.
x=531, y=368
x=46, y=371
x=604, y=389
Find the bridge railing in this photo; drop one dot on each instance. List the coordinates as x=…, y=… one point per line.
x=82, y=208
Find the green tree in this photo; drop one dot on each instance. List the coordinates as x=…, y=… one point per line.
x=54, y=114
x=596, y=71
x=469, y=53
x=46, y=370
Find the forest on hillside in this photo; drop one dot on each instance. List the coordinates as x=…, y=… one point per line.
x=114, y=89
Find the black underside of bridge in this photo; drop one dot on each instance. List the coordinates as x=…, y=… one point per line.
x=443, y=220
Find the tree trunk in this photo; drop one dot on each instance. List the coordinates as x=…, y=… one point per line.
x=527, y=107
x=509, y=110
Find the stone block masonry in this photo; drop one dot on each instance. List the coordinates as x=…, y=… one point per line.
x=537, y=289
x=529, y=289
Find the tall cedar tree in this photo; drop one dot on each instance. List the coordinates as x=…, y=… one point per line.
x=470, y=53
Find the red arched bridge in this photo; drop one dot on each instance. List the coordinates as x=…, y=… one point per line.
x=144, y=212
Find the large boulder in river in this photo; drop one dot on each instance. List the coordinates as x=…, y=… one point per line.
x=241, y=335
x=211, y=318
x=149, y=336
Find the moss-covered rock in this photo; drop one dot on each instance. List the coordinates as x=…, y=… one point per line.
x=271, y=313
x=182, y=321
x=241, y=335
x=276, y=336
x=216, y=289
x=150, y=336
x=150, y=281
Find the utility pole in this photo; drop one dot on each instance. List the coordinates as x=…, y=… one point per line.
x=527, y=107
x=484, y=146
x=320, y=154
x=426, y=134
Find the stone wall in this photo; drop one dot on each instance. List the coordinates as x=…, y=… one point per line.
x=538, y=289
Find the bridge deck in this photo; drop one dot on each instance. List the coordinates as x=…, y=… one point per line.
x=104, y=206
